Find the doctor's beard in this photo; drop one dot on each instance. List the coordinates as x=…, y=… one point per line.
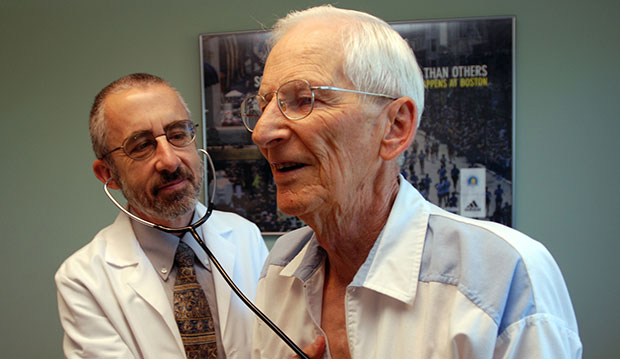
x=169, y=206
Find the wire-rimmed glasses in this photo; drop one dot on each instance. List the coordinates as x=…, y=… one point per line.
x=141, y=145
x=295, y=100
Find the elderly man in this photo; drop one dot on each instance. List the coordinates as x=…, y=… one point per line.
x=379, y=272
x=136, y=292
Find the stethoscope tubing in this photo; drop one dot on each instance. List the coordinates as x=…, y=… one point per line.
x=192, y=229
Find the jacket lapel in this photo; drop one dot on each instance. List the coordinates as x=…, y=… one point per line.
x=138, y=283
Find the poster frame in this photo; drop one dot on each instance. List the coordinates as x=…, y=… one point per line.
x=239, y=148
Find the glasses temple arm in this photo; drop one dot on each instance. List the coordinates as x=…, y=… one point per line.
x=353, y=91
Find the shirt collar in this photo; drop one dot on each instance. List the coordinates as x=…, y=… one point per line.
x=393, y=264
x=160, y=246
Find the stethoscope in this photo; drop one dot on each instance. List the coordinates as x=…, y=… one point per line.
x=192, y=228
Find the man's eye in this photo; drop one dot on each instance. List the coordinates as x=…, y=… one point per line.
x=304, y=101
x=140, y=146
x=177, y=135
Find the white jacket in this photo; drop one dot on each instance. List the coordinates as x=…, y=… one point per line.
x=112, y=303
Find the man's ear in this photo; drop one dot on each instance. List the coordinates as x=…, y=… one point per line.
x=102, y=172
x=400, y=127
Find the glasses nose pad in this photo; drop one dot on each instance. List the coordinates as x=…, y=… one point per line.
x=282, y=105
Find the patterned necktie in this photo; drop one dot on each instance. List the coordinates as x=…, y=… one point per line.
x=191, y=309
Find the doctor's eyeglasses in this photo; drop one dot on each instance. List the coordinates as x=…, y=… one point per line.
x=141, y=145
x=295, y=100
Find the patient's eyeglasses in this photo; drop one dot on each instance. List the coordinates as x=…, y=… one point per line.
x=295, y=100
x=141, y=145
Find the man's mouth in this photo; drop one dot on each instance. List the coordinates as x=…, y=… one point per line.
x=171, y=185
x=171, y=181
x=287, y=166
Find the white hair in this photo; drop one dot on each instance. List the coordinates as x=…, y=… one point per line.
x=376, y=58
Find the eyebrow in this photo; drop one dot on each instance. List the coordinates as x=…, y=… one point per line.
x=139, y=133
x=146, y=132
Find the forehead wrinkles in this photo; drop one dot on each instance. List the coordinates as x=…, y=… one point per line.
x=141, y=108
x=304, y=53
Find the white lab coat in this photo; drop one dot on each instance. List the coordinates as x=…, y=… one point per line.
x=112, y=303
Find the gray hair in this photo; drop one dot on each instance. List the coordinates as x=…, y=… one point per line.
x=97, y=125
x=376, y=58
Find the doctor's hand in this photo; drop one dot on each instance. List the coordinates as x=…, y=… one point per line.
x=316, y=349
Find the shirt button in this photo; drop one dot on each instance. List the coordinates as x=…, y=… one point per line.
x=164, y=271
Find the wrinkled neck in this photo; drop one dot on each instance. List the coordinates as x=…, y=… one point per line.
x=348, y=234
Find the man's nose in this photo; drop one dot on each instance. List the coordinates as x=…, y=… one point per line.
x=272, y=127
x=166, y=156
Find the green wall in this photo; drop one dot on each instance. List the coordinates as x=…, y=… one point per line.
x=55, y=56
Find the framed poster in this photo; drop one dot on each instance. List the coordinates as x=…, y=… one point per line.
x=468, y=120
